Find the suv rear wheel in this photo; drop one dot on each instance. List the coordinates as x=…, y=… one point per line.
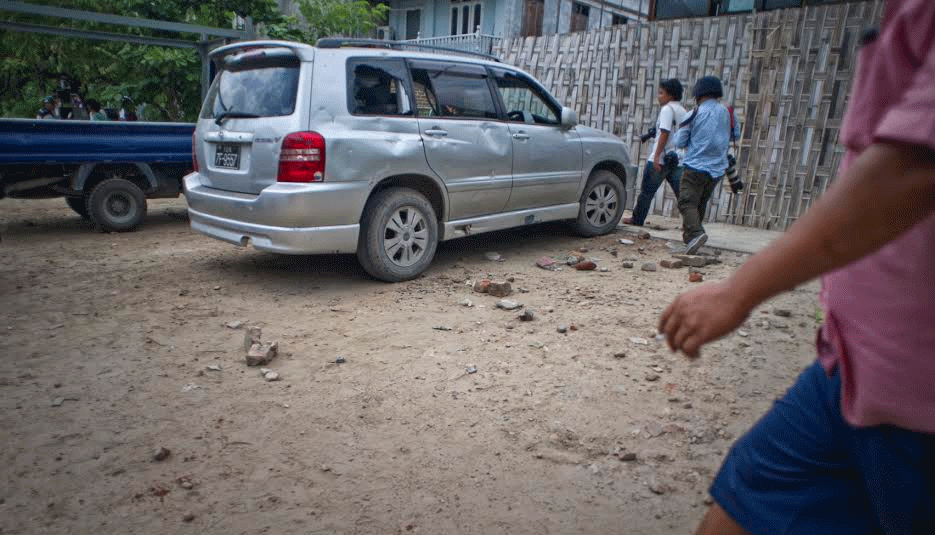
x=398, y=235
x=601, y=204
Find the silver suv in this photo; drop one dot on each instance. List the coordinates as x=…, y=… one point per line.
x=352, y=146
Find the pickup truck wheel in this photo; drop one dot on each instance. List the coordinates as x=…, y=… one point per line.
x=601, y=204
x=79, y=205
x=117, y=205
x=398, y=235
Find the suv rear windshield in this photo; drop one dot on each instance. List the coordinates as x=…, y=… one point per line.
x=254, y=84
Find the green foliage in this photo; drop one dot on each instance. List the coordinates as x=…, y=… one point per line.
x=348, y=18
x=166, y=80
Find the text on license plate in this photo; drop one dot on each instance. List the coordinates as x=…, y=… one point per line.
x=227, y=156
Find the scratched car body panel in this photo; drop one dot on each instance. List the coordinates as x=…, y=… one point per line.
x=346, y=148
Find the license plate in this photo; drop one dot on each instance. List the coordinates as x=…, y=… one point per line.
x=227, y=156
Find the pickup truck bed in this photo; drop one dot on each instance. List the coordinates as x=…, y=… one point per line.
x=105, y=170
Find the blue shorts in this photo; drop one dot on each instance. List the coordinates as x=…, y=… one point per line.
x=803, y=470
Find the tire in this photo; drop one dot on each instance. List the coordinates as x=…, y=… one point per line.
x=601, y=204
x=117, y=205
x=79, y=205
x=398, y=235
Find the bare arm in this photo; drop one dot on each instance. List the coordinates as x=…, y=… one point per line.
x=660, y=148
x=893, y=182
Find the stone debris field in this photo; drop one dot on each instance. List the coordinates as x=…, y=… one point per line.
x=162, y=382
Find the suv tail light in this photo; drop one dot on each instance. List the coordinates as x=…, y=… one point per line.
x=194, y=155
x=302, y=158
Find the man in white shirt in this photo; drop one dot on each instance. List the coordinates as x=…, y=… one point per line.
x=663, y=160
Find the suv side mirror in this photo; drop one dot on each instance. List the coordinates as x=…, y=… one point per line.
x=569, y=117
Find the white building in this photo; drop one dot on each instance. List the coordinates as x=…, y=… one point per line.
x=414, y=19
x=411, y=19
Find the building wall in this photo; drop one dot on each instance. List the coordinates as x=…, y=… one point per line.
x=436, y=16
x=787, y=73
x=558, y=19
x=504, y=18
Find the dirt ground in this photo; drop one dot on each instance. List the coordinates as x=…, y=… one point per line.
x=106, y=340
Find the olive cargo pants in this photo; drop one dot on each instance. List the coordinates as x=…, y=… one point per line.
x=695, y=191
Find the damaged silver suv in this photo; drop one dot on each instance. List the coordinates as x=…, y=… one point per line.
x=354, y=146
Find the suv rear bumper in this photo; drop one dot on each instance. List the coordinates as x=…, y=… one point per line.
x=312, y=240
x=304, y=219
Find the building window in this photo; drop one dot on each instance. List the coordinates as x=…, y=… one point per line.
x=532, y=18
x=617, y=20
x=738, y=6
x=674, y=9
x=579, y=17
x=466, y=17
x=413, y=23
x=780, y=4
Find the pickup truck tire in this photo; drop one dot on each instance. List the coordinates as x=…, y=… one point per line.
x=117, y=205
x=398, y=235
x=601, y=204
x=79, y=205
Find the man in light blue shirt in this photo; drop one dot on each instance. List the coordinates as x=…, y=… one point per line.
x=705, y=136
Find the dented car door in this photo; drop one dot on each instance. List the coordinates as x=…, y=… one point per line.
x=465, y=143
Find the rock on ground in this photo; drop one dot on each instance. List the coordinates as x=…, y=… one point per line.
x=507, y=304
x=261, y=353
x=251, y=336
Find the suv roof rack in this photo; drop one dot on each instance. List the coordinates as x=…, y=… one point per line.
x=341, y=42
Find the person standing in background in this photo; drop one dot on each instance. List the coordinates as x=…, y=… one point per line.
x=127, y=109
x=78, y=110
x=97, y=114
x=663, y=163
x=49, y=109
x=705, y=135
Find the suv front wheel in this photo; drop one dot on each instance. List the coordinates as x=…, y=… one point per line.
x=601, y=204
x=398, y=235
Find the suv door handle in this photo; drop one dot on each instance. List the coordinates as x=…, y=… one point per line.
x=436, y=132
x=521, y=135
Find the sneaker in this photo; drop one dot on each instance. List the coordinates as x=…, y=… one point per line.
x=695, y=243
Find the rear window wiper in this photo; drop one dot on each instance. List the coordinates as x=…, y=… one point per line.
x=235, y=114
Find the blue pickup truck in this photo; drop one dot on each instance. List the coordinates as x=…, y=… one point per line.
x=105, y=170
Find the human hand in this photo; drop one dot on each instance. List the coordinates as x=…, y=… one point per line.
x=701, y=316
x=657, y=163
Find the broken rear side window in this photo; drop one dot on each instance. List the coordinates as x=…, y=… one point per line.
x=378, y=87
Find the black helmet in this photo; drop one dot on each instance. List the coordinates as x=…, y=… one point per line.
x=708, y=86
x=673, y=87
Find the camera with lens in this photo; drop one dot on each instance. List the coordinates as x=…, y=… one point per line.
x=650, y=134
x=736, y=184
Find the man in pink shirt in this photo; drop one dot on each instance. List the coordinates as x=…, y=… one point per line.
x=850, y=448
